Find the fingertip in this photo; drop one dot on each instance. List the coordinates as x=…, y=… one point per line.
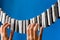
x=41, y=27
x=5, y=23
x=36, y=27
x=37, y=24
x=12, y=32
x=33, y=24
x=28, y=27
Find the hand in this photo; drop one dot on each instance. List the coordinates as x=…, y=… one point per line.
x=3, y=32
x=32, y=32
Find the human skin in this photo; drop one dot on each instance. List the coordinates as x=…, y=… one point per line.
x=32, y=32
x=3, y=32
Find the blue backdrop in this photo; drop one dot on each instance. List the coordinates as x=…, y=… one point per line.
x=26, y=9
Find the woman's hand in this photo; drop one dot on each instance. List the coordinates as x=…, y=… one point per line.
x=32, y=32
x=3, y=32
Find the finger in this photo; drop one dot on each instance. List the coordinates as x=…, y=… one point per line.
x=5, y=27
x=28, y=32
x=0, y=29
x=11, y=35
x=35, y=28
x=41, y=31
x=31, y=30
x=35, y=32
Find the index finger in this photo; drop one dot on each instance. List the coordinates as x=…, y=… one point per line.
x=5, y=27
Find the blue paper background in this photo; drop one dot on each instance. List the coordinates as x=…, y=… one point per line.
x=26, y=9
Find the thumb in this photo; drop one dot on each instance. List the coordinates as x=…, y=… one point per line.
x=11, y=35
x=41, y=31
